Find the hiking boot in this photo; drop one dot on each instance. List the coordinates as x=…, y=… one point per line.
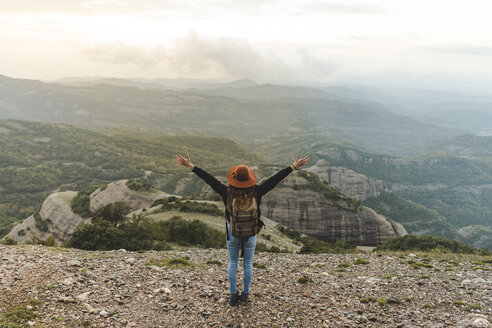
x=233, y=299
x=244, y=297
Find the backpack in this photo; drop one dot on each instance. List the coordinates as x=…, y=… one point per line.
x=244, y=221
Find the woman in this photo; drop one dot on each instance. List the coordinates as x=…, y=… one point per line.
x=241, y=192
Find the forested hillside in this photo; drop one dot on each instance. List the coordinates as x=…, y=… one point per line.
x=38, y=158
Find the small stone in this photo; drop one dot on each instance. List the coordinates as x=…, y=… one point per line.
x=372, y=280
x=83, y=297
x=130, y=260
x=65, y=299
x=103, y=313
x=31, y=323
x=67, y=281
x=166, y=290
x=74, y=263
x=412, y=255
x=481, y=323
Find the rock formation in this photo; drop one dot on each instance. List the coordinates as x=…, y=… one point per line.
x=351, y=183
x=57, y=219
x=118, y=192
x=311, y=213
x=55, y=215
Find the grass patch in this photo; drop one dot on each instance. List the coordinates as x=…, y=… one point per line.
x=459, y=303
x=361, y=262
x=17, y=317
x=344, y=265
x=482, y=268
x=380, y=300
x=304, y=280
x=35, y=302
x=474, y=307
x=427, y=306
x=214, y=262
x=424, y=277
x=180, y=262
x=259, y=265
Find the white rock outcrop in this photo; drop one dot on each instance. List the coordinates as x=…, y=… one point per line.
x=119, y=192
x=56, y=213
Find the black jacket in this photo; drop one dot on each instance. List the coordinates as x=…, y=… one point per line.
x=261, y=189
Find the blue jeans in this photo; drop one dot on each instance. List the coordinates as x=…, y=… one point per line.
x=234, y=246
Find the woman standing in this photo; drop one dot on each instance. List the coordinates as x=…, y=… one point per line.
x=241, y=193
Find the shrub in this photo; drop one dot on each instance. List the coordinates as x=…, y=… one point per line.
x=259, y=265
x=81, y=204
x=39, y=223
x=21, y=232
x=428, y=244
x=9, y=241
x=316, y=246
x=214, y=262
x=139, y=233
x=361, y=261
x=50, y=241
x=260, y=247
x=304, y=280
x=114, y=213
x=140, y=185
x=180, y=262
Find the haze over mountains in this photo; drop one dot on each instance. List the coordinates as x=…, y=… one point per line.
x=435, y=176
x=215, y=112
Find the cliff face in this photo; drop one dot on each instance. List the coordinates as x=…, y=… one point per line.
x=351, y=183
x=55, y=215
x=330, y=220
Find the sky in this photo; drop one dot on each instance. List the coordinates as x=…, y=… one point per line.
x=438, y=44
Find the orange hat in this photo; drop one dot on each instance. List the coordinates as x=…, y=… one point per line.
x=241, y=176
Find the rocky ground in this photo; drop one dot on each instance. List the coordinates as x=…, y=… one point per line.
x=56, y=287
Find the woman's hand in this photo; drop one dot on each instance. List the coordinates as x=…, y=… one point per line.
x=299, y=162
x=185, y=161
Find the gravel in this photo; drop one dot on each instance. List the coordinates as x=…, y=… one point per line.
x=75, y=288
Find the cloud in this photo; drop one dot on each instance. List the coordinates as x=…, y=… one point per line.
x=462, y=49
x=188, y=8
x=198, y=57
x=324, y=7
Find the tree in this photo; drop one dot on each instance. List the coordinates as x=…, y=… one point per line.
x=114, y=213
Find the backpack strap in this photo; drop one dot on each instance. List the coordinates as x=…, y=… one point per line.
x=227, y=231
